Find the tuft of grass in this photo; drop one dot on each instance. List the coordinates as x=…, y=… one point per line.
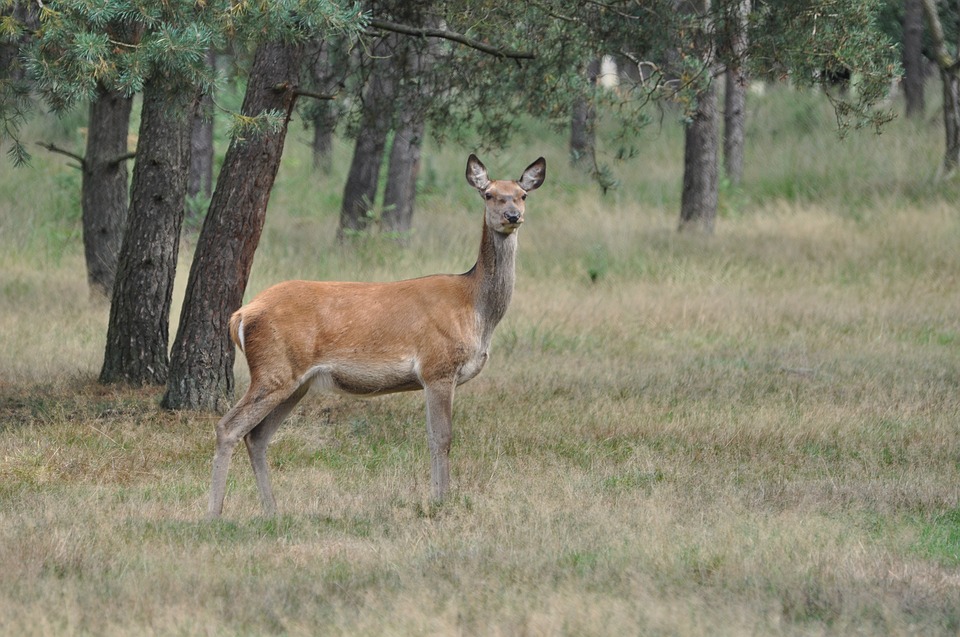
x=940, y=537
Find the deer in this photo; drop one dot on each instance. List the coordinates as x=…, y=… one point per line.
x=368, y=339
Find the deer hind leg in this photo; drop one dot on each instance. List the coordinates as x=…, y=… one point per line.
x=439, y=396
x=249, y=412
x=257, y=440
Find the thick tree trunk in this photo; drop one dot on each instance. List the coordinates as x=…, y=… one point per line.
x=360, y=191
x=138, y=332
x=698, y=205
x=104, y=188
x=402, y=173
x=201, y=364
x=914, y=75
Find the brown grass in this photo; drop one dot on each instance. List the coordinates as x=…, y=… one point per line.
x=754, y=433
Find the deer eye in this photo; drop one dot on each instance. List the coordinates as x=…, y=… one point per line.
x=488, y=195
x=523, y=197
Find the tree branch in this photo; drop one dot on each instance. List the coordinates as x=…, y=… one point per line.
x=124, y=157
x=452, y=36
x=554, y=15
x=56, y=149
x=944, y=60
x=316, y=96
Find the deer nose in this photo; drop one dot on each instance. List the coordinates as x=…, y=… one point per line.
x=512, y=217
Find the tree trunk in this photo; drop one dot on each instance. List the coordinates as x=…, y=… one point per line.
x=698, y=204
x=583, y=134
x=324, y=120
x=360, y=191
x=26, y=14
x=138, y=332
x=950, y=78
x=400, y=193
x=914, y=75
x=201, y=365
x=733, y=124
x=104, y=188
x=734, y=113
x=404, y=168
x=201, y=144
x=326, y=64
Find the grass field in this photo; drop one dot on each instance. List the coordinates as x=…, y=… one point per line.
x=756, y=433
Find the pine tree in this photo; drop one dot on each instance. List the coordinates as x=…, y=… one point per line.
x=78, y=48
x=201, y=372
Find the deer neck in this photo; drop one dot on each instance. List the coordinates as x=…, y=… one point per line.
x=493, y=277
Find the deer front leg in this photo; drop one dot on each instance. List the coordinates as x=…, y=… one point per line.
x=440, y=434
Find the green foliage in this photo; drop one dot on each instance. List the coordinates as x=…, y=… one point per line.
x=121, y=45
x=15, y=104
x=669, y=52
x=118, y=45
x=83, y=43
x=812, y=41
x=287, y=20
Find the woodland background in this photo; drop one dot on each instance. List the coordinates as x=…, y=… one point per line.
x=745, y=426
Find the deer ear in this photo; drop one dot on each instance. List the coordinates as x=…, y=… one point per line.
x=534, y=175
x=477, y=173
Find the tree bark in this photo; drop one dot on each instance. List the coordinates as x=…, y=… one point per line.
x=326, y=64
x=323, y=120
x=914, y=75
x=583, y=134
x=698, y=204
x=360, y=191
x=413, y=62
x=104, y=188
x=734, y=101
x=201, y=144
x=201, y=366
x=950, y=78
x=404, y=168
x=700, y=196
x=734, y=113
x=138, y=332
x=24, y=13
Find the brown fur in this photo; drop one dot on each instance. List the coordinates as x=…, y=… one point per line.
x=366, y=339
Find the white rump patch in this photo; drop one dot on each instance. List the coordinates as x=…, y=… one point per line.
x=240, y=335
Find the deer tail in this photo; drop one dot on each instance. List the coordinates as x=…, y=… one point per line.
x=236, y=330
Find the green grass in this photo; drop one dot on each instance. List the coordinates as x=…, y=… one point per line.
x=754, y=433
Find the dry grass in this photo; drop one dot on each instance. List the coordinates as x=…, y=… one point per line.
x=750, y=434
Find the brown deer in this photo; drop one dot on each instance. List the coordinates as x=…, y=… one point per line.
x=366, y=339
